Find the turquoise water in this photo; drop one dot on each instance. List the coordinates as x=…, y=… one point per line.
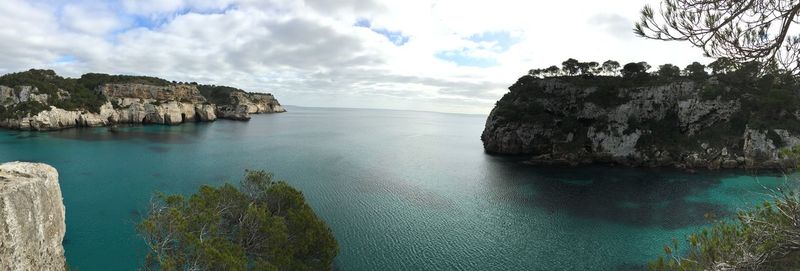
x=401, y=190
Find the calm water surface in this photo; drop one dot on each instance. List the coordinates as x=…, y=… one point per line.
x=401, y=190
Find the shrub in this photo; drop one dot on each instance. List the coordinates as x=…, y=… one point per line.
x=262, y=225
x=764, y=238
x=217, y=94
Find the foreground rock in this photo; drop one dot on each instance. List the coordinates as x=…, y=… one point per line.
x=31, y=218
x=684, y=124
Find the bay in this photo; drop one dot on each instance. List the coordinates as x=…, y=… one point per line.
x=402, y=190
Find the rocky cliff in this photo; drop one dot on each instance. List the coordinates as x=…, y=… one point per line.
x=31, y=218
x=40, y=100
x=244, y=104
x=676, y=123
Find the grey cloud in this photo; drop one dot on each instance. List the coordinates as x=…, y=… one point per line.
x=248, y=48
x=615, y=24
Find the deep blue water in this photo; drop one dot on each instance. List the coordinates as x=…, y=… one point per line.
x=401, y=190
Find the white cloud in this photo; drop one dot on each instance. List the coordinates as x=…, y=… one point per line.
x=95, y=19
x=313, y=53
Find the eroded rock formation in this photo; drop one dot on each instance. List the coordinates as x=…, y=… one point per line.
x=131, y=103
x=558, y=121
x=31, y=218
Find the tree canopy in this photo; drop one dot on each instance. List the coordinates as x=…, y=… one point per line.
x=262, y=225
x=669, y=71
x=740, y=30
x=635, y=70
x=696, y=71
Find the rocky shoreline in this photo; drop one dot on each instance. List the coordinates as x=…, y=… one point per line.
x=129, y=103
x=681, y=124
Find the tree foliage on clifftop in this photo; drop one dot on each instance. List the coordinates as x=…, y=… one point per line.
x=741, y=30
x=82, y=94
x=763, y=102
x=93, y=80
x=218, y=94
x=262, y=225
x=48, y=82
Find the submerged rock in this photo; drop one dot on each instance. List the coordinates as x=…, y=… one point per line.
x=31, y=218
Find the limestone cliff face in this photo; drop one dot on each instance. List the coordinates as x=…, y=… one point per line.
x=179, y=92
x=9, y=96
x=244, y=104
x=57, y=118
x=173, y=104
x=31, y=218
x=675, y=124
x=134, y=103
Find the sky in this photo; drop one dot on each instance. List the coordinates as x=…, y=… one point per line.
x=435, y=55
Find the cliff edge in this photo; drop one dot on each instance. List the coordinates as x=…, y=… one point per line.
x=724, y=122
x=41, y=100
x=31, y=218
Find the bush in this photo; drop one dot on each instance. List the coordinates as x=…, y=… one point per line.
x=93, y=80
x=48, y=82
x=764, y=238
x=263, y=225
x=22, y=110
x=218, y=94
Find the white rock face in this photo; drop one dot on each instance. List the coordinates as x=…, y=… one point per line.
x=205, y=112
x=21, y=94
x=135, y=104
x=673, y=125
x=31, y=218
x=619, y=145
x=695, y=114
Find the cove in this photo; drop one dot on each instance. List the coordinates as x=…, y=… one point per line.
x=402, y=190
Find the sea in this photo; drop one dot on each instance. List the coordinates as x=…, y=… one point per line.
x=401, y=190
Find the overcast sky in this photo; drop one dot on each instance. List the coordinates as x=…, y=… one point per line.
x=434, y=55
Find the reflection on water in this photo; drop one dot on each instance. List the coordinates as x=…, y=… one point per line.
x=180, y=134
x=637, y=197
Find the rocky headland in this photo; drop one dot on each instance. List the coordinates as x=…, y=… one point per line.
x=31, y=218
x=41, y=100
x=726, y=121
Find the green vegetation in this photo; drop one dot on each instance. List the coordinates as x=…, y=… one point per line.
x=767, y=100
x=217, y=94
x=764, y=238
x=262, y=225
x=48, y=82
x=741, y=31
x=757, y=65
x=82, y=94
x=93, y=80
x=21, y=109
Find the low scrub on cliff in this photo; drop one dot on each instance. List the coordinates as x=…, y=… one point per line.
x=21, y=109
x=768, y=100
x=218, y=94
x=93, y=80
x=48, y=82
x=764, y=238
x=81, y=93
x=262, y=225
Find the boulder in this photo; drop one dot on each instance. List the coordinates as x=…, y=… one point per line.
x=31, y=218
